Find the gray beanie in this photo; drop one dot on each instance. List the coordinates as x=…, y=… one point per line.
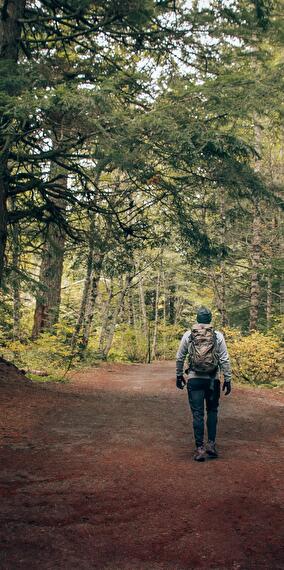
x=204, y=315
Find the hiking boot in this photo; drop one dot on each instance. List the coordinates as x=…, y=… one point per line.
x=211, y=449
x=199, y=454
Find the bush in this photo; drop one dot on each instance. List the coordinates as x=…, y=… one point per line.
x=129, y=345
x=169, y=337
x=50, y=352
x=256, y=358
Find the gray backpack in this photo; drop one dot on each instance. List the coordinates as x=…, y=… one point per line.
x=202, y=349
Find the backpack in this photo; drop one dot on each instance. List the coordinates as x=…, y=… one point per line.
x=202, y=349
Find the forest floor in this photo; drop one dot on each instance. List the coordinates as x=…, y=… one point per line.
x=98, y=474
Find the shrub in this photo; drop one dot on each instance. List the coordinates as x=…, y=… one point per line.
x=50, y=352
x=169, y=337
x=129, y=345
x=256, y=358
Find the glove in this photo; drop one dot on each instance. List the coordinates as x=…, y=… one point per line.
x=227, y=387
x=180, y=382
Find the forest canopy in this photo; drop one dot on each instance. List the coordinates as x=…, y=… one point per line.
x=141, y=175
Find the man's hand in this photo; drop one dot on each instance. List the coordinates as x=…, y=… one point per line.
x=180, y=382
x=227, y=387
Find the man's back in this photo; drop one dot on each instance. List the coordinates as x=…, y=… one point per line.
x=222, y=353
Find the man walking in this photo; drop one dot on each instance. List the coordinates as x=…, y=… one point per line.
x=207, y=355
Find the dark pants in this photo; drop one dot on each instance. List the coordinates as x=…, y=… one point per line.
x=198, y=392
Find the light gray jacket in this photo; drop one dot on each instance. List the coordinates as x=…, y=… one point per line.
x=224, y=361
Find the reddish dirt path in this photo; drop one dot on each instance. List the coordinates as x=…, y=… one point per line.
x=97, y=474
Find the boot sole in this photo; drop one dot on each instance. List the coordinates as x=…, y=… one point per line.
x=212, y=455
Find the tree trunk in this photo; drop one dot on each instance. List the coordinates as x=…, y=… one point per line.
x=90, y=285
x=112, y=324
x=155, y=332
x=106, y=319
x=255, y=245
x=91, y=300
x=16, y=285
x=172, y=298
x=134, y=312
x=223, y=310
x=10, y=36
x=143, y=308
x=87, y=286
x=271, y=249
x=179, y=306
x=10, y=28
x=130, y=311
x=220, y=281
x=224, y=315
x=3, y=215
x=148, y=358
x=255, y=264
x=164, y=316
x=269, y=300
x=51, y=270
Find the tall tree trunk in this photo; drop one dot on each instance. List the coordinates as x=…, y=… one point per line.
x=271, y=250
x=223, y=309
x=87, y=286
x=164, y=315
x=281, y=297
x=224, y=315
x=155, y=332
x=172, y=299
x=113, y=321
x=255, y=264
x=133, y=306
x=51, y=270
x=220, y=281
x=3, y=215
x=179, y=306
x=11, y=11
x=16, y=285
x=143, y=308
x=91, y=301
x=269, y=299
x=90, y=285
x=106, y=319
x=256, y=244
x=10, y=36
x=131, y=316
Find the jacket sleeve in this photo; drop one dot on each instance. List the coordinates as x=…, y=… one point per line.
x=224, y=360
x=182, y=353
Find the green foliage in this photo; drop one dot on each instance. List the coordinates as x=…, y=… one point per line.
x=161, y=172
x=49, y=378
x=49, y=353
x=6, y=320
x=256, y=358
x=129, y=345
x=168, y=340
x=277, y=327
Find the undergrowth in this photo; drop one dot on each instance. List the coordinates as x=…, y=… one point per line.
x=256, y=358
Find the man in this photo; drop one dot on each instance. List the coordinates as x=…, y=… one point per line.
x=204, y=385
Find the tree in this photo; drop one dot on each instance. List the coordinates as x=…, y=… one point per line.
x=10, y=36
x=176, y=157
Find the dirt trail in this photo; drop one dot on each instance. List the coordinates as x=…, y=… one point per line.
x=98, y=474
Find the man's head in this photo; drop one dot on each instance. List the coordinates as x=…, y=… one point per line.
x=204, y=316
